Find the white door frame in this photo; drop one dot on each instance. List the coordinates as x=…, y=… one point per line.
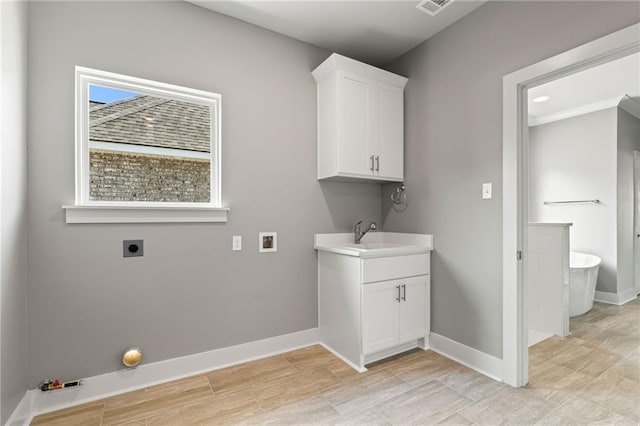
x=636, y=218
x=514, y=181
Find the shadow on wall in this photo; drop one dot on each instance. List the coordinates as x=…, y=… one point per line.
x=342, y=199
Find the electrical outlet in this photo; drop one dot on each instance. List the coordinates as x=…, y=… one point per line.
x=486, y=191
x=132, y=248
x=237, y=243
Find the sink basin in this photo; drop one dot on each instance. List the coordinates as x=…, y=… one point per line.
x=375, y=244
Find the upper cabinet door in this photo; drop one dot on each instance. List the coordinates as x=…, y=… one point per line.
x=354, y=116
x=389, y=132
x=360, y=121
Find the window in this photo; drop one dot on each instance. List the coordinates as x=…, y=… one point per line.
x=145, y=149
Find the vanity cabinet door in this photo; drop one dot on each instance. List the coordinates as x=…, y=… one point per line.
x=380, y=315
x=413, y=313
x=394, y=312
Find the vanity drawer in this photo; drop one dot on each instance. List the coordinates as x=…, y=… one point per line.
x=389, y=268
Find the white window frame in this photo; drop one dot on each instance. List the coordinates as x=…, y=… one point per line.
x=91, y=211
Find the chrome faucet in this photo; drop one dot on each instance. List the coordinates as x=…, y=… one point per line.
x=358, y=234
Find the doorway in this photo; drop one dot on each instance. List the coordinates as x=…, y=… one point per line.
x=515, y=180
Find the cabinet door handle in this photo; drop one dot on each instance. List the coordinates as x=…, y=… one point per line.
x=404, y=292
x=377, y=163
x=371, y=158
x=398, y=298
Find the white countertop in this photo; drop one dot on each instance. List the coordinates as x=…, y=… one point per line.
x=375, y=244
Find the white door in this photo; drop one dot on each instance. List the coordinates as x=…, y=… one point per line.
x=355, y=114
x=413, y=308
x=389, y=133
x=380, y=303
x=636, y=219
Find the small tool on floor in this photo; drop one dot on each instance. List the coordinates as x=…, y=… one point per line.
x=49, y=385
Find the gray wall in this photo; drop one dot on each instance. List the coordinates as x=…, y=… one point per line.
x=189, y=293
x=628, y=138
x=585, y=157
x=453, y=144
x=576, y=159
x=13, y=206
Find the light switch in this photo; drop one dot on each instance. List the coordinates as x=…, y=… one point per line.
x=486, y=191
x=237, y=243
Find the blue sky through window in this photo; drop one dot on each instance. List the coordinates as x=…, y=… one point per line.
x=108, y=94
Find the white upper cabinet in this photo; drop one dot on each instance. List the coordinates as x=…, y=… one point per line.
x=360, y=121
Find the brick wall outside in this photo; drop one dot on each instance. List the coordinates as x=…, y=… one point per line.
x=119, y=176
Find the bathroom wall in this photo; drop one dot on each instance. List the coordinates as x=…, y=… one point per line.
x=576, y=159
x=13, y=206
x=453, y=144
x=628, y=137
x=189, y=293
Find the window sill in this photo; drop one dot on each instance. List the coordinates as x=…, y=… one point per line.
x=121, y=214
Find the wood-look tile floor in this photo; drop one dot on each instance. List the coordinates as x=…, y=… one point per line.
x=592, y=377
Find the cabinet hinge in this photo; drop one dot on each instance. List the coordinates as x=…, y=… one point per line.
x=519, y=255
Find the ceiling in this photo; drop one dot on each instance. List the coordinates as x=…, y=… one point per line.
x=596, y=88
x=376, y=32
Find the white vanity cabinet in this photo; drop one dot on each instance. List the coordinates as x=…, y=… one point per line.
x=394, y=312
x=360, y=121
x=373, y=303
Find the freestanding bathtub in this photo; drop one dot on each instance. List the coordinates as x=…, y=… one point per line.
x=583, y=275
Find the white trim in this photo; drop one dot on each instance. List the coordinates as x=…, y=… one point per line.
x=574, y=112
x=631, y=106
x=343, y=359
x=513, y=321
x=636, y=204
x=148, y=150
x=117, y=382
x=36, y=402
x=627, y=296
x=616, y=298
x=22, y=415
x=87, y=76
x=137, y=214
x=339, y=62
x=515, y=85
x=606, y=297
x=477, y=360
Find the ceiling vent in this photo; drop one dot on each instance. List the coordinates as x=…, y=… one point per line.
x=432, y=7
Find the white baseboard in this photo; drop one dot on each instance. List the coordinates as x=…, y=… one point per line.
x=477, y=360
x=103, y=386
x=627, y=295
x=616, y=298
x=22, y=414
x=346, y=361
x=606, y=297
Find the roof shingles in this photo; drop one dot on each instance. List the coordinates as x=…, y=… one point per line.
x=152, y=121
